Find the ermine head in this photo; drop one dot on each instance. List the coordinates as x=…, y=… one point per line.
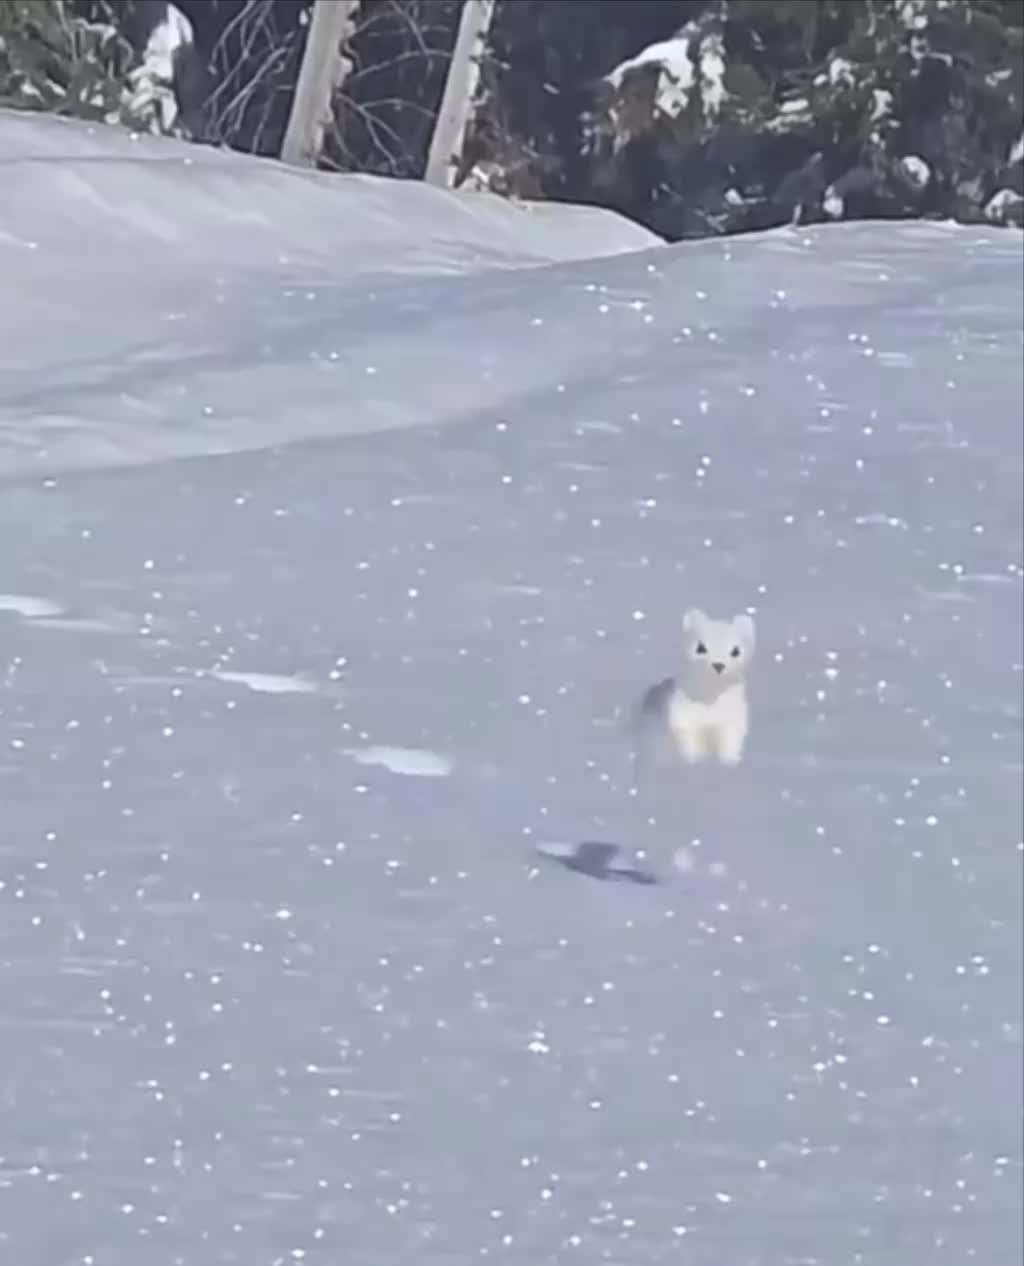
x=718, y=652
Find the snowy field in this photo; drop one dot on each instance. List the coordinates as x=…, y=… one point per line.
x=343, y=522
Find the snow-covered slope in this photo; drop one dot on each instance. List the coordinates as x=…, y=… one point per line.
x=142, y=276
x=284, y=978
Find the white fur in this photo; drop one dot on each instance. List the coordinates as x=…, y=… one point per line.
x=706, y=709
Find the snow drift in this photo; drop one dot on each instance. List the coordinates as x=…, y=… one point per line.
x=290, y=723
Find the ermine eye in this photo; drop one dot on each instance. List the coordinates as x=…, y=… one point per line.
x=735, y=652
x=701, y=649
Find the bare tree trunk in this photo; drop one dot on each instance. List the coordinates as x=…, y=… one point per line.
x=459, y=91
x=322, y=72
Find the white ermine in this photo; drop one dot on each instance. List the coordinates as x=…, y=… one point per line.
x=702, y=712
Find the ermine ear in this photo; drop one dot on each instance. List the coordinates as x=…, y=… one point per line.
x=744, y=626
x=693, y=620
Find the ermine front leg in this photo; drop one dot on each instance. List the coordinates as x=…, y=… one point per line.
x=691, y=744
x=732, y=736
x=730, y=747
x=687, y=729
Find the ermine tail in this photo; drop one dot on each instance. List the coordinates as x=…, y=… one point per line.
x=649, y=721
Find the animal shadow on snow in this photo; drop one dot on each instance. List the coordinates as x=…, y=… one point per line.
x=599, y=860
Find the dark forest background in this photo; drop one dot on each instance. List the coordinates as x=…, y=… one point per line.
x=808, y=109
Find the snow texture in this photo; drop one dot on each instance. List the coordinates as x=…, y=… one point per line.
x=677, y=61
x=672, y=58
x=151, y=83
x=313, y=484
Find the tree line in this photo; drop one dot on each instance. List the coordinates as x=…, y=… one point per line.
x=694, y=117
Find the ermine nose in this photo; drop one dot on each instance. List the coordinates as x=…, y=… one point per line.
x=718, y=666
